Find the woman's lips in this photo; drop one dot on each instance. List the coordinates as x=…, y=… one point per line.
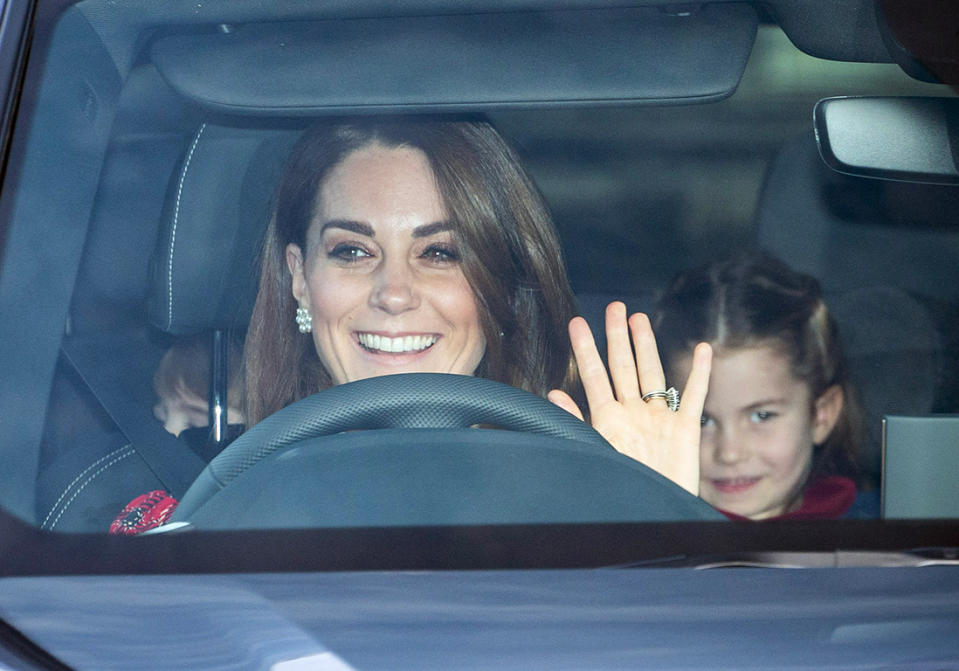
x=733, y=485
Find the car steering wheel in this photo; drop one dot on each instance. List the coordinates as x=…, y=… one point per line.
x=402, y=402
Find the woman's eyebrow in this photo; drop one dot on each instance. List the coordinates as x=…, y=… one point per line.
x=362, y=228
x=427, y=230
x=357, y=227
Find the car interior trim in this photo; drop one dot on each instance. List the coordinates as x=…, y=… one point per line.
x=311, y=67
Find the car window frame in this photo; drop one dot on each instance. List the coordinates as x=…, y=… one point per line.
x=508, y=546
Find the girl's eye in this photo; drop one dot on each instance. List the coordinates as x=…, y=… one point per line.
x=760, y=416
x=705, y=420
x=439, y=253
x=348, y=252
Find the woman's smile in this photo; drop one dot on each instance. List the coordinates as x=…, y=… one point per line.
x=399, y=344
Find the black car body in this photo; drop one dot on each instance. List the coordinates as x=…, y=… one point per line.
x=142, y=141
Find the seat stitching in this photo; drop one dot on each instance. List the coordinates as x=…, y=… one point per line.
x=83, y=486
x=66, y=490
x=176, y=219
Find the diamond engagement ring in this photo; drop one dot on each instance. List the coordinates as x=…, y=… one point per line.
x=671, y=396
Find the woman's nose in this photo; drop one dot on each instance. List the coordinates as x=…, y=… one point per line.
x=394, y=289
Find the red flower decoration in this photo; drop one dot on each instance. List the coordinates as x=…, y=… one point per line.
x=144, y=512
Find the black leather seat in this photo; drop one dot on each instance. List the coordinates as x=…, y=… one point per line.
x=202, y=278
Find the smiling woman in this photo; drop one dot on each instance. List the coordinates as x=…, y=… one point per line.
x=421, y=245
x=415, y=246
x=381, y=271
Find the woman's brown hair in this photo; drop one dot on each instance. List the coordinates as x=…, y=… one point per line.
x=754, y=298
x=510, y=254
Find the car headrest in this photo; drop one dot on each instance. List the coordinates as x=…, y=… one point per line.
x=856, y=232
x=205, y=266
x=894, y=355
x=854, y=235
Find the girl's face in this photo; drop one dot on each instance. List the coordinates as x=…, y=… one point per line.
x=760, y=424
x=381, y=274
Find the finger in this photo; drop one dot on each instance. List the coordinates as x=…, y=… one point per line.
x=648, y=365
x=565, y=401
x=697, y=384
x=592, y=371
x=622, y=364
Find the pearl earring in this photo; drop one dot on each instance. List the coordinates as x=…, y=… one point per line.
x=304, y=320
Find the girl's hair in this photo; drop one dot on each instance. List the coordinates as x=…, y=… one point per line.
x=752, y=299
x=510, y=255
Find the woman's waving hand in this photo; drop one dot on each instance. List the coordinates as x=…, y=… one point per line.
x=648, y=431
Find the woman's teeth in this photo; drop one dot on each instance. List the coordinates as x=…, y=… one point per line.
x=380, y=343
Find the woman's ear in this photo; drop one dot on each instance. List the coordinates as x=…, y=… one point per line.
x=294, y=261
x=826, y=412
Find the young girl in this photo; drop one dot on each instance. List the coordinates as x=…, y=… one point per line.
x=780, y=424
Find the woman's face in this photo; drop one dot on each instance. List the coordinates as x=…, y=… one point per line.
x=759, y=427
x=381, y=273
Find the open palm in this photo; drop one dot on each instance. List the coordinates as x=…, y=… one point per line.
x=649, y=432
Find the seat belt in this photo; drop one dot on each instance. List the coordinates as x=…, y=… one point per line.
x=106, y=364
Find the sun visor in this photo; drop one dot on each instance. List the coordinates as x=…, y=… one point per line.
x=652, y=55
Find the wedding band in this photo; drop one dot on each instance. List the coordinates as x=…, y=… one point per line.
x=671, y=396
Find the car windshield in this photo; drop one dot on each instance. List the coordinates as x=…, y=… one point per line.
x=155, y=153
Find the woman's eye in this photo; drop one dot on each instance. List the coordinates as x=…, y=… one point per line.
x=705, y=420
x=441, y=254
x=348, y=252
